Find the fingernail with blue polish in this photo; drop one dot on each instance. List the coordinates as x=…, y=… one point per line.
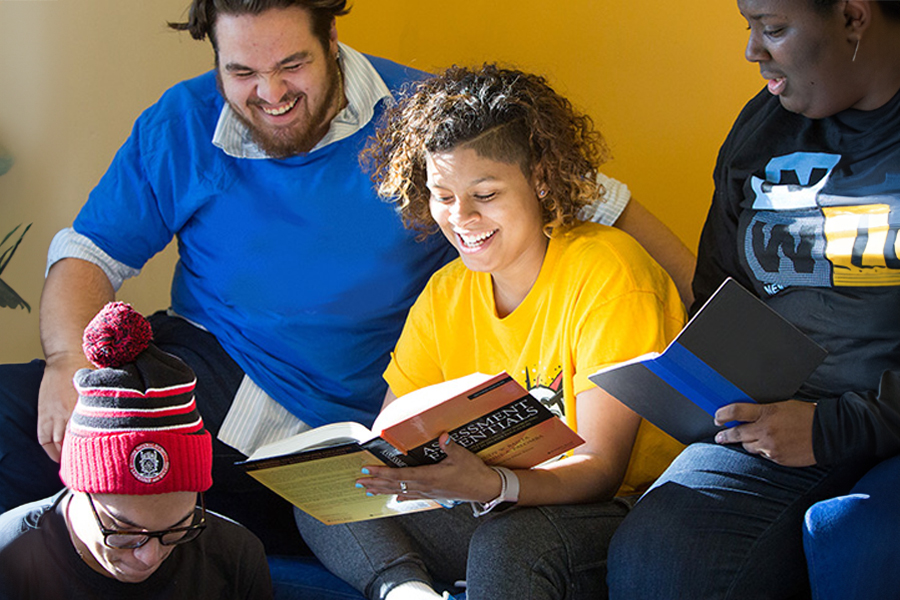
x=365, y=471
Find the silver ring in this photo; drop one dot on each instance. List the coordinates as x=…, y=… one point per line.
x=403, y=487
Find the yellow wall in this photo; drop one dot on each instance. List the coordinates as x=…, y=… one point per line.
x=663, y=81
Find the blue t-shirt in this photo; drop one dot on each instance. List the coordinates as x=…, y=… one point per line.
x=298, y=268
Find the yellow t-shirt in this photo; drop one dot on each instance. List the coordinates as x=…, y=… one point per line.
x=599, y=299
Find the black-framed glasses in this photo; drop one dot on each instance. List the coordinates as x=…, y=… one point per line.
x=129, y=540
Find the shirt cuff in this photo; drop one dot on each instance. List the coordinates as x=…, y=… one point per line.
x=607, y=208
x=68, y=243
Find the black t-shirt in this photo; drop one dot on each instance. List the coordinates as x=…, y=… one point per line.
x=806, y=213
x=39, y=562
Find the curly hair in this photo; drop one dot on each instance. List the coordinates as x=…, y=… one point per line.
x=504, y=115
x=203, y=14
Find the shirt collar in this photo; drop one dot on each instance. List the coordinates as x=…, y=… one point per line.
x=363, y=87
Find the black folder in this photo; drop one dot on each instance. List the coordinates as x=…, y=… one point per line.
x=735, y=349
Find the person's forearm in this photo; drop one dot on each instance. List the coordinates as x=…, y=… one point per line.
x=597, y=468
x=662, y=244
x=573, y=480
x=75, y=291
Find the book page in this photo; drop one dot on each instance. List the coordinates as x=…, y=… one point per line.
x=332, y=434
x=325, y=489
x=637, y=359
x=413, y=403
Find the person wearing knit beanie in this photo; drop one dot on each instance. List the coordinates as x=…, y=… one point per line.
x=135, y=428
x=135, y=461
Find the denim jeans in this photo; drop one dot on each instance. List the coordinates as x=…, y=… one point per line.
x=720, y=523
x=526, y=553
x=27, y=474
x=852, y=542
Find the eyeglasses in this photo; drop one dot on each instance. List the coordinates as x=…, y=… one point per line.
x=129, y=540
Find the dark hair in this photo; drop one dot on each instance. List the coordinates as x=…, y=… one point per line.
x=504, y=115
x=890, y=8
x=202, y=15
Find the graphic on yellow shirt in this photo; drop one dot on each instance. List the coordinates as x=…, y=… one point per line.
x=550, y=395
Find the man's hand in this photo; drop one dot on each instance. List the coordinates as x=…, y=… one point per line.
x=75, y=290
x=780, y=431
x=56, y=401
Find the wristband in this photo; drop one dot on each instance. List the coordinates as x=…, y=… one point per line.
x=509, y=492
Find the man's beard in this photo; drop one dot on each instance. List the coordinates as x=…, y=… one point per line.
x=302, y=136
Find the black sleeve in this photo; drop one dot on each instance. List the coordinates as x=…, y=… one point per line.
x=859, y=426
x=718, y=253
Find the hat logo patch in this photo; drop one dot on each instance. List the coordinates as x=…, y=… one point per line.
x=149, y=462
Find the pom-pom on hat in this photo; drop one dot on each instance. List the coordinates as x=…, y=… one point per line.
x=135, y=429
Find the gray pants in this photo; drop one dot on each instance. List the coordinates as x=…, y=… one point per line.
x=527, y=553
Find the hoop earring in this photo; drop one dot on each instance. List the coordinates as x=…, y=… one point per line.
x=858, y=40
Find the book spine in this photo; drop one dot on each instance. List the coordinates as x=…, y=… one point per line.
x=299, y=457
x=390, y=455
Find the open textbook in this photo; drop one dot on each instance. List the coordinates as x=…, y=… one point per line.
x=492, y=416
x=735, y=349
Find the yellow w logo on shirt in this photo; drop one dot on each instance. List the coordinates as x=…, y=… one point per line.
x=861, y=245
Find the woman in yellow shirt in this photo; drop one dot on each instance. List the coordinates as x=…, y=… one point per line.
x=502, y=166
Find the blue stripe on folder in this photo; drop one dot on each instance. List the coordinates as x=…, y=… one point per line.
x=693, y=378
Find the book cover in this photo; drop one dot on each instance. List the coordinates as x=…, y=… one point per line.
x=492, y=416
x=497, y=419
x=735, y=349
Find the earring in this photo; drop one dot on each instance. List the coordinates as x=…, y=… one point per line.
x=856, y=50
x=542, y=193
